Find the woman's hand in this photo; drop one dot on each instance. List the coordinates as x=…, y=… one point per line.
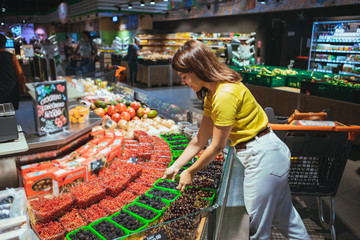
x=186, y=179
x=170, y=173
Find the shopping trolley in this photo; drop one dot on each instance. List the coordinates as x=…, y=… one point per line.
x=318, y=158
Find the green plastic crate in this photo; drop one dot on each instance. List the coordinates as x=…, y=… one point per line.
x=86, y=228
x=107, y=219
x=165, y=200
x=171, y=143
x=141, y=220
x=162, y=188
x=162, y=210
x=158, y=213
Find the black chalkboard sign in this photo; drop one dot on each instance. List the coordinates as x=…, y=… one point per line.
x=51, y=106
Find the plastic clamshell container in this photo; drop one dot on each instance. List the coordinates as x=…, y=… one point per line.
x=165, y=200
x=141, y=220
x=55, y=213
x=107, y=219
x=84, y=203
x=157, y=216
x=78, y=113
x=175, y=143
x=59, y=236
x=90, y=220
x=164, y=188
x=137, y=201
x=182, y=125
x=86, y=228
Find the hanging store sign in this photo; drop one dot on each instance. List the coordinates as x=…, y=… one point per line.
x=51, y=107
x=63, y=12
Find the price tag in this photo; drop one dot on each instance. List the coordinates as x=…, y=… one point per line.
x=132, y=160
x=157, y=236
x=97, y=164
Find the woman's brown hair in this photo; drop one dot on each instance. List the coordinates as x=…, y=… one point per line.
x=196, y=57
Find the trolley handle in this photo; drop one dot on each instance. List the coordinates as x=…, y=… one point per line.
x=352, y=129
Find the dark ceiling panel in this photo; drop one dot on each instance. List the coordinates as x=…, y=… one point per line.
x=29, y=6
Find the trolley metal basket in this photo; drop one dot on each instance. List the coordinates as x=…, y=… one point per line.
x=318, y=158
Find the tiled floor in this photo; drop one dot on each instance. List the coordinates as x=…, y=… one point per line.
x=347, y=200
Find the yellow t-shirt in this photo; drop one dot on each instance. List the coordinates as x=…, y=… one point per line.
x=233, y=104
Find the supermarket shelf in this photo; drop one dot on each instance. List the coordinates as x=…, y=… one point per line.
x=142, y=38
x=321, y=70
x=323, y=41
x=329, y=71
x=214, y=39
x=350, y=74
x=162, y=45
x=336, y=51
x=217, y=47
x=334, y=61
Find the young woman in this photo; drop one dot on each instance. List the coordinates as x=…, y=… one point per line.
x=231, y=112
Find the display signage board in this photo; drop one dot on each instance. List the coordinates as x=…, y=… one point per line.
x=63, y=12
x=28, y=51
x=51, y=107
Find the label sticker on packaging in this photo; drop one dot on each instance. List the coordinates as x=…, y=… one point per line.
x=157, y=236
x=132, y=160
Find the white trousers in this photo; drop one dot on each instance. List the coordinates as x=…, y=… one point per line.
x=266, y=189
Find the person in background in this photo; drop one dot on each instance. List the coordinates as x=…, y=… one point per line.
x=132, y=59
x=12, y=79
x=231, y=112
x=88, y=51
x=68, y=49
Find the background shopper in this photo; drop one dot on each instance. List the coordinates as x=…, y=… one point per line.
x=12, y=78
x=231, y=112
x=132, y=59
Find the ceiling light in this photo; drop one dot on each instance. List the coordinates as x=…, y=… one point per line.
x=142, y=3
x=115, y=18
x=166, y=0
x=261, y=1
x=130, y=6
x=23, y=21
x=152, y=2
x=3, y=9
x=2, y=23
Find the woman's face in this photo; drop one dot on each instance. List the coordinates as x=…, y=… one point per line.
x=192, y=80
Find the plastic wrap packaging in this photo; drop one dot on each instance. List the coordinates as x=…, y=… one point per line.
x=13, y=209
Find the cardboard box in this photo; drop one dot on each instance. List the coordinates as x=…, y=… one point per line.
x=38, y=182
x=35, y=167
x=64, y=179
x=67, y=158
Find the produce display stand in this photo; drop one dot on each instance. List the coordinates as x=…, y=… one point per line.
x=318, y=158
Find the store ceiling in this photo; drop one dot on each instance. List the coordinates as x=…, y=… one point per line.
x=41, y=7
x=25, y=7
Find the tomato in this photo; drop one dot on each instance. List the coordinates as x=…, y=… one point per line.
x=135, y=105
x=111, y=110
x=125, y=115
x=131, y=111
x=135, y=118
x=116, y=117
x=99, y=111
x=146, y=110
x=121, y=107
